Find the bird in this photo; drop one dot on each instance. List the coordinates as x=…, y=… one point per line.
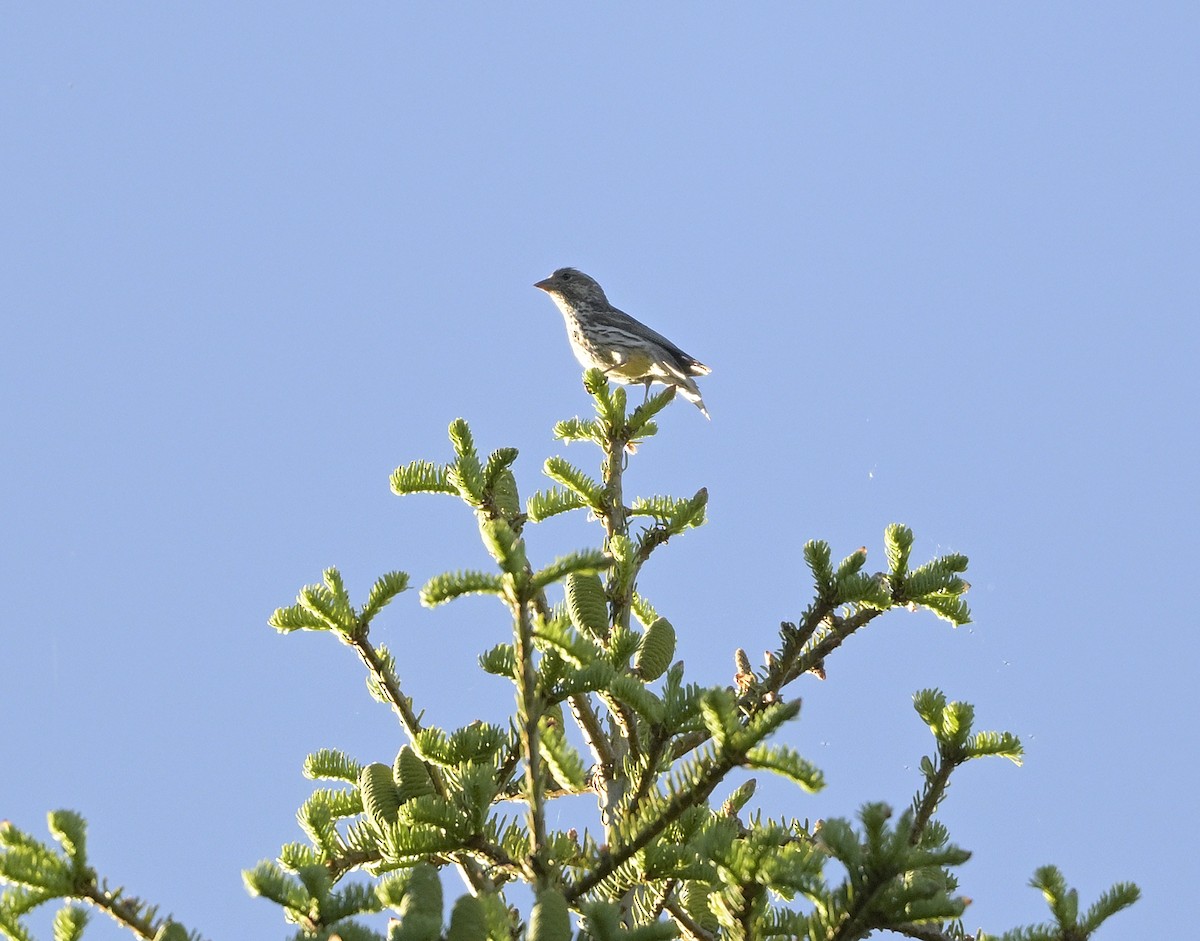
x=624, y=348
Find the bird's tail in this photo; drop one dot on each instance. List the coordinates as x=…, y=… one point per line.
x=680, y=375
x=689, y=390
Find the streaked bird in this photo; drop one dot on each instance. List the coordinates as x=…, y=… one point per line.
x=626, y=349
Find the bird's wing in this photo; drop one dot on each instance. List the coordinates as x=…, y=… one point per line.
x=688, y=364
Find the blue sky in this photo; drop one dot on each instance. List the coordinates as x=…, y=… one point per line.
x=942, y=261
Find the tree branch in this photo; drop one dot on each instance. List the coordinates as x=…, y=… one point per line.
x=528, y=713
x=401, y=705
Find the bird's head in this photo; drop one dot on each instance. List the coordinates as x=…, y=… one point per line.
x=573, y=285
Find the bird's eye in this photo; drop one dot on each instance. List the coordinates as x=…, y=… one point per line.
x=566, y=276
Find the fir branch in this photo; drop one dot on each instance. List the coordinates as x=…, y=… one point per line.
x=478, y=743
x=546, y=503
x=626, y=721
x=923, y=933
x=612, y=505
x=562, y=760
x=674, y=513
x=688, y=927
x=507, y=548
x=660, y=902
x=385, y=681
x=796, y=658
x=593, y=733
x=651, y=762
x=1117, y=898
x=450, y=585
x=39, y=874
x=386, y=588
x=799, y=659
x=579, y=429
x=889, y=880
x=575, y=481
x=710, y=772
x=643, y=610
x=856, y=923
x=528, y=713
x=126, y=910
x=640, y=424
x=466, y=473
x=499, y=460
x=331, y=764
x=582, y=710
x=610, y=403
x=649, y=540
x=494, y=855
x=753, y=899
x=588, y=561
x=610, y=861
x=70, y=920
x=422, y=477
x=931, y=795
x=614, y=516
x=898, y=542
x=350, y=860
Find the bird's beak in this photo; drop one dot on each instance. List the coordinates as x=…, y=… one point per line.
x=544, y=284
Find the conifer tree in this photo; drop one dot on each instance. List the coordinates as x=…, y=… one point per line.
x=601, y=709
